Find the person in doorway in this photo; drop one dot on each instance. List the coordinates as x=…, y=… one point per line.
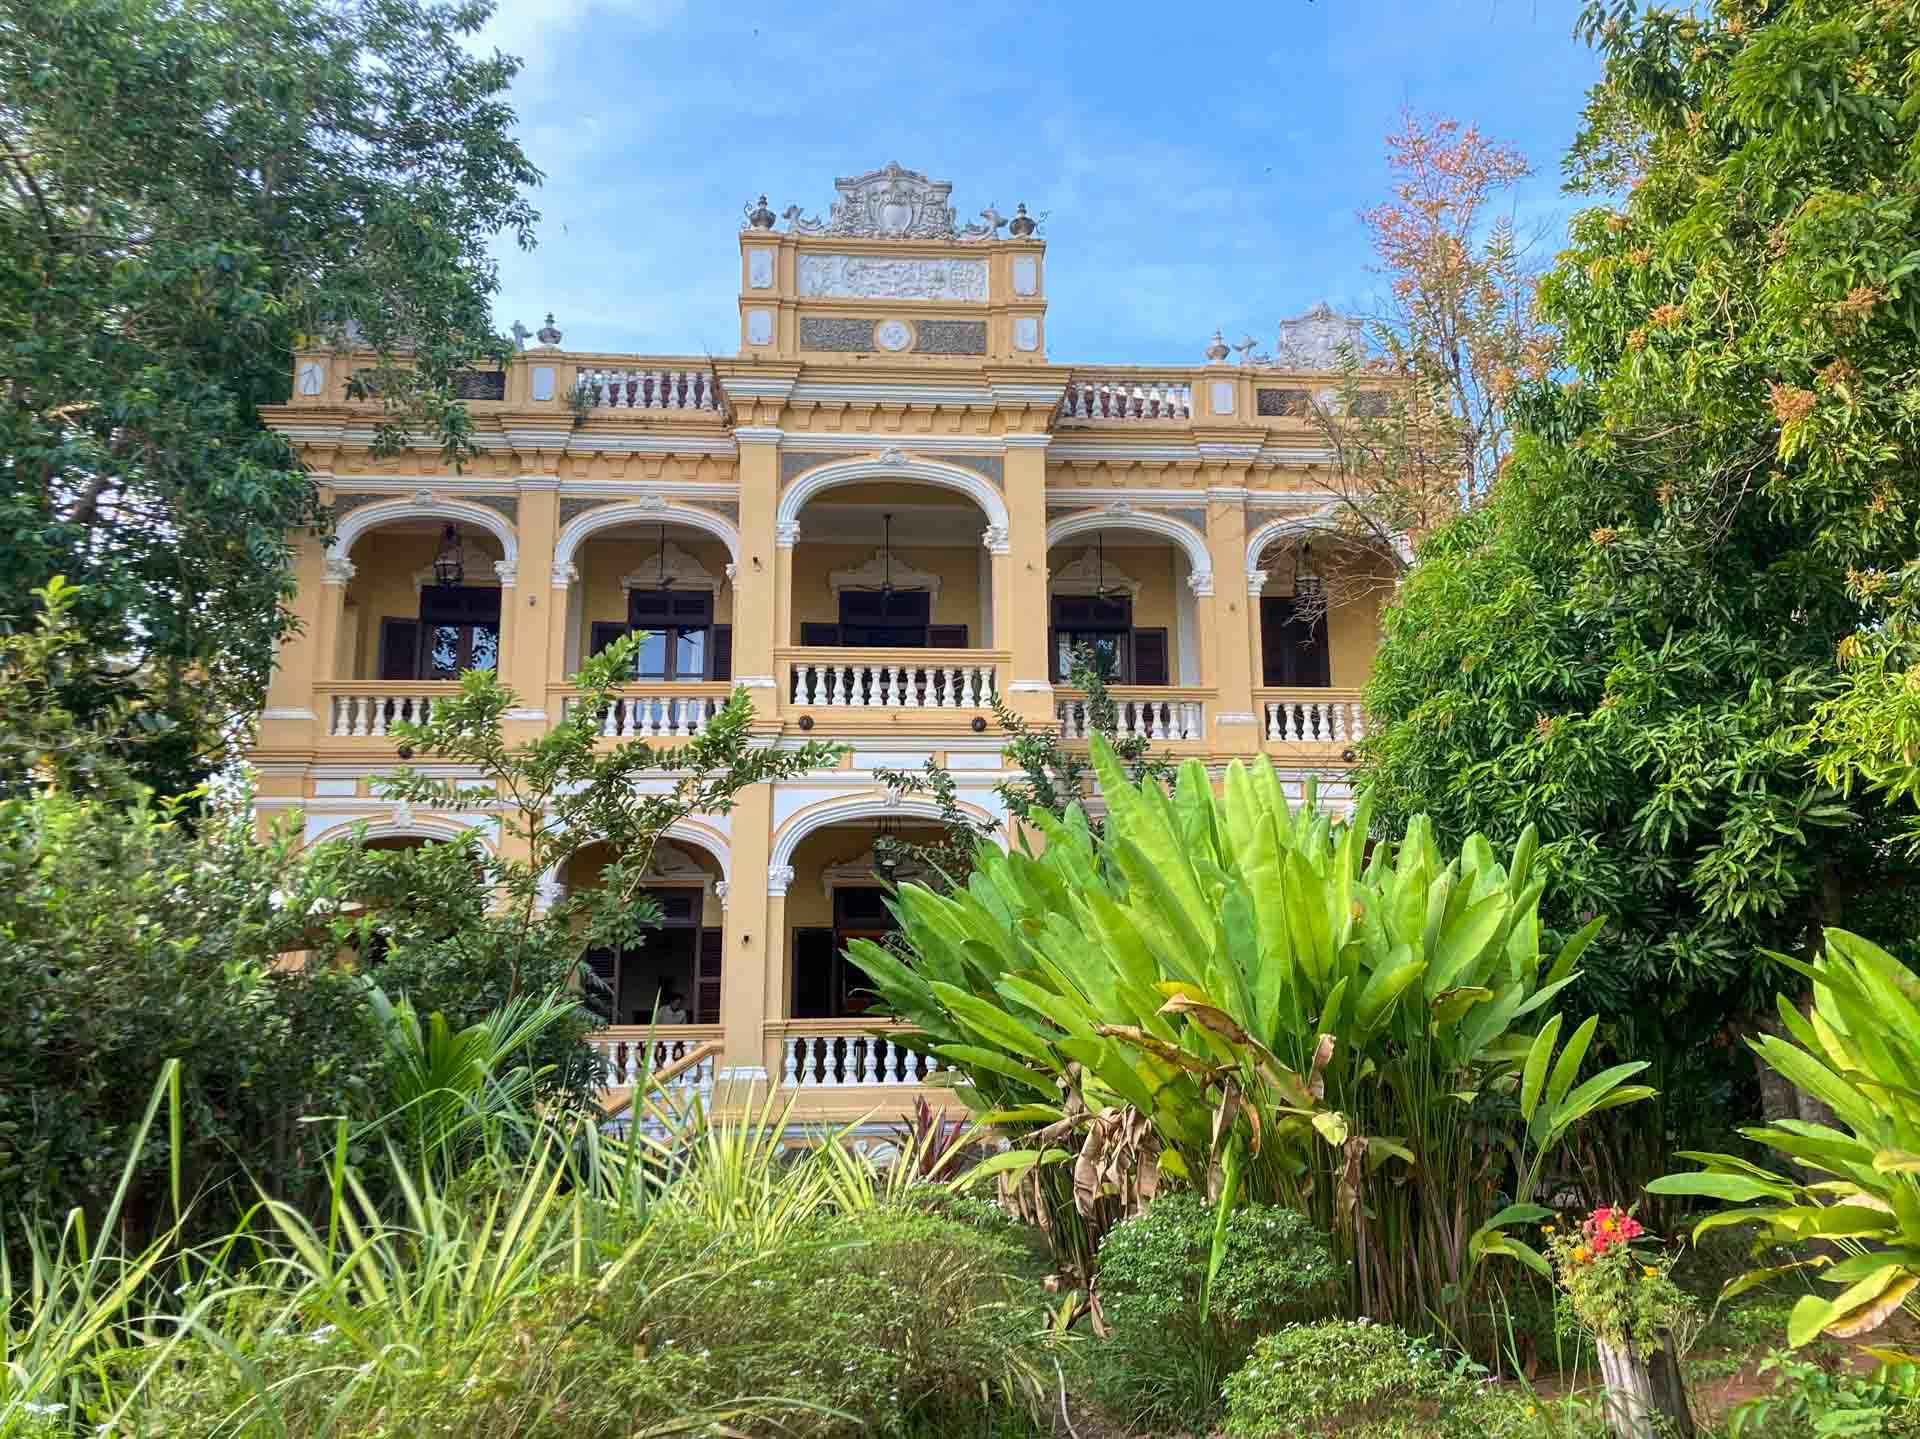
x=671, y=1008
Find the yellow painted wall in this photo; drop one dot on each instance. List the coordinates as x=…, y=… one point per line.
x=602, y=562
x=385, y=563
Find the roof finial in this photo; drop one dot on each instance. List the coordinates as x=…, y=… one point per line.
x=548, y=335
x=1022, y=224
x=1217, y=351
x=759, y=217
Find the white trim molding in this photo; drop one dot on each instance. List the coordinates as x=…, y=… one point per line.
x=647, y=510
x=891, y=464
x=368, y=517
x=1121, y=516
x=846, y=808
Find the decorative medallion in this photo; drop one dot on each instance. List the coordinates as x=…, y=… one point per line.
x=894, y=335
x=1321, y=339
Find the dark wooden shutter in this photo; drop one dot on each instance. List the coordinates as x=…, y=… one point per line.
x=605, y=632
x=827, y=636
x=946, y=637
x=1150, y=657
x=813, y=971
x=706, y=987
x=1292, y=653
x=722, y=652
x=399, y=649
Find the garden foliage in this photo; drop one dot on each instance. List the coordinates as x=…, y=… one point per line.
x=1249, y=1000
x=1648, y=643
x=193, y=192
x=1855, y=1183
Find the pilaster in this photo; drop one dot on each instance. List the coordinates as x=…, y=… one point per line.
x=1231, y=628
x=762, y=575
x=527, y=601
x=755, y=950
x=291, y=715
x=1020, y=581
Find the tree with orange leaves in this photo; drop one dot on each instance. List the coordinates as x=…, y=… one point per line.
x=1417, y=424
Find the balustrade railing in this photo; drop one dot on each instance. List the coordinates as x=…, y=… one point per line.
x=675, y=712
x=847, y=1055
x=1127, y=399
x=1138, y=711
x=1330, y=717
x=899, y=679
x=371, y=710
x=647, y=389
x=632, y=1053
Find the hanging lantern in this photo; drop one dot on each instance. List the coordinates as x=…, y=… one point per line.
x=449, y=568
x=886, y=857
x=1305, y=580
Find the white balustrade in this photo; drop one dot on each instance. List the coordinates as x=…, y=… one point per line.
x=648, y=389
x=1145, y=719
x=654, y=716
x=1127, y=400
x=892, y=686
x=630, y=1059
x=375, y=714
x=1328, y=721
x=855, y=1058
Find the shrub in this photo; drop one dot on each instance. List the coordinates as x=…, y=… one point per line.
x=1350, y=1376
x=1163, y=1362
x=1219, y=979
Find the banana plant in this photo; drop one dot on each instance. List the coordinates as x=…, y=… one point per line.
x=1857, y=1050
x=1301, y=1019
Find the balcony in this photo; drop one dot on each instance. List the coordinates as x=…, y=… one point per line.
x=1293, y=720
x=650, y=709
x=1135, y=399
x=907, y=683
x=368, y=709
x=1164, y=714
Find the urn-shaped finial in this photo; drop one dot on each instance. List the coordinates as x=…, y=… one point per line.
x=1021, y=225
x=759, y=217
x=1217, y=351
x=547, y=334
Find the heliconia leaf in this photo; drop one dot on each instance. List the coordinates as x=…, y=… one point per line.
x=1719, y=1186
x=1867, y=1305
x=1534, y=1074
x=1331, y=1127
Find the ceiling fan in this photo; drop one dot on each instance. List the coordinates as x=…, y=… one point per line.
x=885, y=586
x=1101, y=590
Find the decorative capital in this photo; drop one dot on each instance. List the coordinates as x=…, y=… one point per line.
x=402, y=816
x=893, y=455
x=1201, y=582
x=565, y=573
x=336, y=570
x=994, y=537
x=779, y=877
x=786, y=534
x=1256, y=581
x=720, y=892
x=423, y=497
x=507, y=571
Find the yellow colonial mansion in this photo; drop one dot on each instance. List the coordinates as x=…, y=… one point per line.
x=888, y=507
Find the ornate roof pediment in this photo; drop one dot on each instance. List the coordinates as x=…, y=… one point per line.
x=892, y=203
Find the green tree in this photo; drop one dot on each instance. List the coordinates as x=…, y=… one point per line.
x=1624, y=645
x=187, y=193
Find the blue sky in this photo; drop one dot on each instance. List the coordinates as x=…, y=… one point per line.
x=1199, y=164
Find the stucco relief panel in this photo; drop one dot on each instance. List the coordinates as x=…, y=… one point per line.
x=866, y=277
